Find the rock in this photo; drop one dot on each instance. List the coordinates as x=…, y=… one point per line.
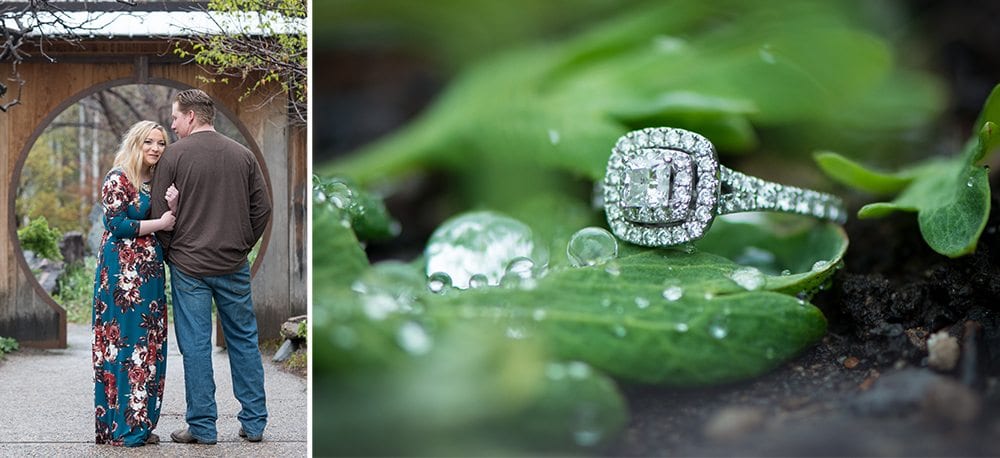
x=943, y=350
x=285, y=351
x=290, y=328
x=72, y=247
x=733, y=423
x=937, y=398
x=46, y=271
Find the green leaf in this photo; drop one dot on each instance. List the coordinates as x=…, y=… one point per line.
x=951, y=197
x=716, y=332
x=857, y=176
x=618, y=319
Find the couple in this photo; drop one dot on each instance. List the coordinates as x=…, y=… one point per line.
x=204, y=227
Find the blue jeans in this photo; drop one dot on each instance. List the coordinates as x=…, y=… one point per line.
x=193, y=325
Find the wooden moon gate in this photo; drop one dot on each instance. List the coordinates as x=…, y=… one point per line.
x=27, y=313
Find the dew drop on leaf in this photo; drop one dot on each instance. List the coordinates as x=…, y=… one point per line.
x=538, y=314
x=413, y=338
x=481, y=243
x=749, y=278
x=681, y=327
x=673, y=293
x=478, y=281
x=439, y=283
x=591, y=246
x=641, y=302
x=619, y=330
x=578, y=370
x=587, y=431
x=820, y=265
x=718, y=328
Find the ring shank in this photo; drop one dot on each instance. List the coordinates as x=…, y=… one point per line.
x=749, y=194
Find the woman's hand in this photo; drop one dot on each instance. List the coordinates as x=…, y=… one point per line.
x=171, y=197
x=167, y=221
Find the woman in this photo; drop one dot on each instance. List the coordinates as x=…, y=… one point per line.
x=130, y=306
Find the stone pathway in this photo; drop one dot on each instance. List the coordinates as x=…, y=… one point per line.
x=47, y=407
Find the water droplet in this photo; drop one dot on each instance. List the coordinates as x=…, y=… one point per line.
x=802, y=302
x=519, y=274
x=481, y=243
x=718, y=328
x=413, y=338
x=709, y=295
x=681, y=327
x=478, y=281
x=641, y=302
x=538, y=314
x=619, y=330
x=606, y=302
x=766, y=54
x=554, y=136
x=439, y=283
x=668, y=44
x=971, y=181
x=749, y=278
x=820, y=265
x=516, y=332
x=587, y=431
x=578, y=370
x=591, y=246
x=673, y=293
x=613, y=269
x=786, y=272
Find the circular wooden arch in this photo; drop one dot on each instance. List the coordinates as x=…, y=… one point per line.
x=27, y=312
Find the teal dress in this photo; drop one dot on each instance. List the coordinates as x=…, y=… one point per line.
x=129, y=319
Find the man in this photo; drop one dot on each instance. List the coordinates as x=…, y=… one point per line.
x=222, y=210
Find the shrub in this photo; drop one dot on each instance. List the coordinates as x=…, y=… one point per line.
x=37, y=236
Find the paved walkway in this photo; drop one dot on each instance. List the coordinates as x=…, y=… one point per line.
x=47, y=407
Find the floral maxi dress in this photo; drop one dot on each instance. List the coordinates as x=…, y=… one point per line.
x=129, y=319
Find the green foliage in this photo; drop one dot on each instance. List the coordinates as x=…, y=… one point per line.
x=8, y=345
x=562, y=106
x=38, y=237
x=303, y=330
x=366, y=213
x=76, y=291
x=950, y=196
x=509, y=350
x=275, y=53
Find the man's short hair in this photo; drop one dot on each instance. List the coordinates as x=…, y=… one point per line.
x=199, y=102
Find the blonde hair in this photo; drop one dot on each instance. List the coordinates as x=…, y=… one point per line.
x=129, y=155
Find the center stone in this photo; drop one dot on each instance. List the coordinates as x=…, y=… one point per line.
x=647, y=181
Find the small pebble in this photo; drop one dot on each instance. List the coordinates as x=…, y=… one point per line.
x=851, y=362
x=943, y=351
x=732, y=423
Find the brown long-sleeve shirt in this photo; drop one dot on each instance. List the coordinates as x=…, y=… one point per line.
x=223, y=205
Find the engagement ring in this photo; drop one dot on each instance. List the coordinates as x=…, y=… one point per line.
x=664, y=187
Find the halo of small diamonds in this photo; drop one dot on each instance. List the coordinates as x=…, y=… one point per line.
x=661, y=187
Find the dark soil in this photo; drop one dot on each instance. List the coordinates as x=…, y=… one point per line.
x=866, y=388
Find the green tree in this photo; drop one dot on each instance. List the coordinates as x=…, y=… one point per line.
x=264, y=44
